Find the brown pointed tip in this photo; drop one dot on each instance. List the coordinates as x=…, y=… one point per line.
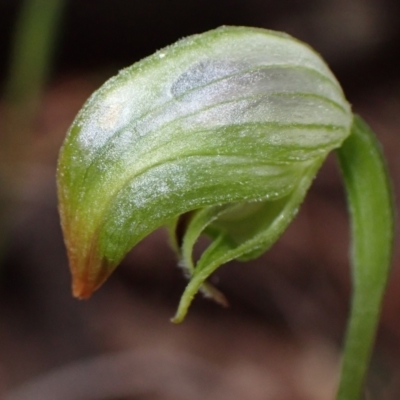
x=211, y=292
x=83, y=288
x=84, y=284
x=80, y=290
x=89, y=269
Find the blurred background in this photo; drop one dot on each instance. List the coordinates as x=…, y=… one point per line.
x=280, y=338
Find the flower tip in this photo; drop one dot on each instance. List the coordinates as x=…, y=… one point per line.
x=81, y=290
x=85, y=281
x=177, y=319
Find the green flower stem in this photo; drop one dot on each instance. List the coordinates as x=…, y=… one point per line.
x=371, y=209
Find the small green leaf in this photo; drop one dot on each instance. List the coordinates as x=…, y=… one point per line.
x=232, y=119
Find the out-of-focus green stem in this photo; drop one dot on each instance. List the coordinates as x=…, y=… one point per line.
x=34, y=40
x=31, y=54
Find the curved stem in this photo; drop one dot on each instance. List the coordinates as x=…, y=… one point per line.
x=372, y=227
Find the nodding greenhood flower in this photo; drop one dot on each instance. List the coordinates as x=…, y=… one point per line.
x=221, y=133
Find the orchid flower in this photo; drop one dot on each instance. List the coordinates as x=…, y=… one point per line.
x=222, y=134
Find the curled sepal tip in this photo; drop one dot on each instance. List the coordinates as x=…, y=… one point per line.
x=231, y=124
